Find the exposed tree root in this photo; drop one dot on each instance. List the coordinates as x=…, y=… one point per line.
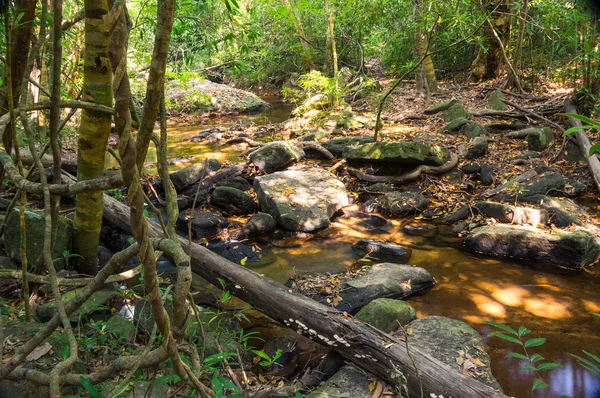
x=406, y=177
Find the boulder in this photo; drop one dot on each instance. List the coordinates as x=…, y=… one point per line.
x=403, y=153
x=347, y=382
x=301, y=200
x=537, y=139
x=454, y=343
x=232, y=201
x=571, y=250
x=478, y=148
x=505, y=213
x=562, y=212
x=471, y=168
x=441, y=107
x=502, y=127
x=314, y=135
x=240, y=253
x=400, y=204
x=380, y=250
x=199, y=94
x=473, y=129
x=546, y=182
x=35, y=225
x=386, y=314
x=496, y=98
x=189, y=175
x=458, y=215
x=454, y=112
x=276, y=156
x=455, y=124
x=486, y=174
x=204, y=224
x=385, y=280
x=257, y=225
x=97, y=301
x=337, y=145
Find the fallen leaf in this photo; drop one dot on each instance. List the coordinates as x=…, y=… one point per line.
x=39, y=352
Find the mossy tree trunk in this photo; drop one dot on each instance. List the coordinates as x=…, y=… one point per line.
x=93, y=134
x=425, y=74
x=489, y=61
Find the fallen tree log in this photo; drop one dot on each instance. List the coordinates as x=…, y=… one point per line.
x=362, y=344
x=584, y=143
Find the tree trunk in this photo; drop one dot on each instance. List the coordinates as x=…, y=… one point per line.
x=93, y=134
x=366, y=346
x=425, y=75
x=308, y=61
x=332, y=47
x=584, y=144
x=489, y=61
x=516, y=60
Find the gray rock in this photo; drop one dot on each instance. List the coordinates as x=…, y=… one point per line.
x=510, y=214
x=276, y=156
x=563, y=212
x=385, y=280
x=537, y=139
x=546, y=182
x=478, y=148
x=450, y=341
x=471, y=168
x=572, y=250
x=381, y=250
x=441, y=107
x=386, y=314
x=314, y=136
x=337, y=145
x=7, y=263
x=348, y=382
x=301, y=200
x=458, y=215
x=501, y=127
x=236, y=182
x=258, y=225
x=204, y=224
x=486, y=174
x=400, y=204
x=403, y=153
x=496, y=98
x=233, y=201
x=454, y=112
x=35, y=225
x=191, y=174
x=473, y=129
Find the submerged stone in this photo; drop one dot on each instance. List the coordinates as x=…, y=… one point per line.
x=387, y=314
x=404, y=153
x=400, y=204
x=572, y=250
x=385, y=280
x=301, y=200
x=381, y=250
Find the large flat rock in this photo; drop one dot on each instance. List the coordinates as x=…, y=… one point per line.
x=572, y=250
x=301, y=200
x=385, y=280
x=408, y=153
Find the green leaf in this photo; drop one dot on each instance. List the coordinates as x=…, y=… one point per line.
x=535, y=357
x=503, y=327
x=594, y=149
x=594, y=357
x=582, y=118
x=217, y=386
x=516, y=355
x=507, y=338
x=217, y=358
x=523, y=331
x=167, y=379
x=587, y=364
x=528, y=367
x=549, y=366
x=539, y=383
x=262, y=354
x=89, y=387
x=575, y=129
x=535, y=342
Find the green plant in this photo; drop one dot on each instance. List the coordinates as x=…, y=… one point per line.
x=592, y=362
x=267, y=361
x=590, y=124
x=515, y=336
x=116, y=194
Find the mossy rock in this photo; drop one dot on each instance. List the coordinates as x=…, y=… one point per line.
x=496, y=98
x=455, y=124
x=454, y=112
x=441, y=107
x=386, y=314
x=404, y=153
x=35, y=225
x=97, y=301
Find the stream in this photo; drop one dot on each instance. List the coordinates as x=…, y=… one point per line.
x=472, y=288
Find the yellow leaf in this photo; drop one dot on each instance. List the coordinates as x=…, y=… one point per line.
x=243, y=261
x=261, y=378
x=409, y=331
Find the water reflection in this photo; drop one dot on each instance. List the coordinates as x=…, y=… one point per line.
x=474, y=289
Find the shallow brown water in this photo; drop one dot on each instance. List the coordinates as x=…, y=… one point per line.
x=469, y=287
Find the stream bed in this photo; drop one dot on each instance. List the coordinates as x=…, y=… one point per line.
x=472, y=288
